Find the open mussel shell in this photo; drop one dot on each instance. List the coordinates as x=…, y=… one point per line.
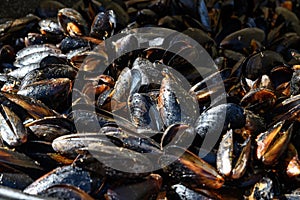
x=140, y=189
x=259, y=100
x=12, y=129
x=261, y=63
x=227, y=165
x=263, y=189
x=34, y=107
x=103, y=25
x=178, y=134
x=49, y=26
x=14, y=158
x=185, y=193
x=273, y=143
x=72, y=22
x=200, y=173
x=292, y=162
x=285, y=107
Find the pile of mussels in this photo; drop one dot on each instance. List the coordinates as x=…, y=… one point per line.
x=56, y=139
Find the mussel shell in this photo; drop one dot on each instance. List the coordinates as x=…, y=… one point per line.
x=33, y=107
x=103, y=25
x=139, y=108
x=50, y=72
x=224, y=155
x=73, y=143
x=14, y=158
x=197, y=172
x=146, y=16
x=185, y=193
x=7, y=53
x=20, y=27
x=53, y=92
x=50, y=26
x=263, y=189
x=36, y=38
x=71, y=175
x=51, y=127
x=143, y=189
x=49, y=8
x=178, y=134
x=210, y=120
x=241, y=39
x=261, y=63
x=72, y=22
x=66, y=192
x=15, y=180
x=128, y=163
x=72, y=43
x=12, y=129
